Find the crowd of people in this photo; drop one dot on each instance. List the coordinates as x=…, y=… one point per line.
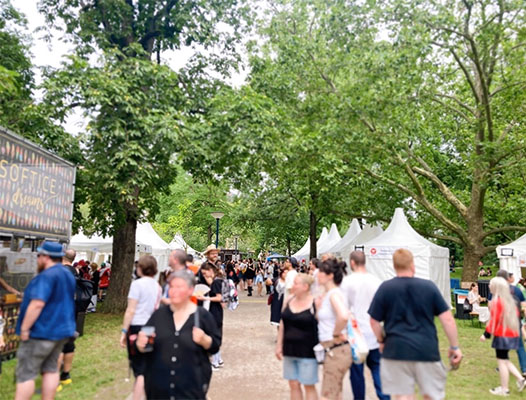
x=173, y=326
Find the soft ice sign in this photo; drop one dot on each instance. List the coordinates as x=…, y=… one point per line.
x=36, y=189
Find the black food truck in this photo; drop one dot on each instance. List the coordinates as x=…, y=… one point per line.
x=36, y=204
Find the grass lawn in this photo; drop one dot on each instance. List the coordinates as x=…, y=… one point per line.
x=476, y=374
x=100, y=365
x=99, y=362
x=458, y=273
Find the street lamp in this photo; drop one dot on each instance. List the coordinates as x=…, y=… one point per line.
x=217, y=215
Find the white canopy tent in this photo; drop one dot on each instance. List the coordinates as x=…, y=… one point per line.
x=512, y=256
x=344, y=244
x=160, y=249
x=368, y=233
x=431, y=260
x=304, y=252
x=178, y=242
x=97, y=248
x=332, y=238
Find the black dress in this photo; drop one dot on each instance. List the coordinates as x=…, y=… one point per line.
x=178, y=368
x=216, y=309
x=250, y=273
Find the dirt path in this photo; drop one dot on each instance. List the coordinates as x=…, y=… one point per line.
x=251, y=370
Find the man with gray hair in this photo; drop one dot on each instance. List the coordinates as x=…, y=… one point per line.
x=359, y=289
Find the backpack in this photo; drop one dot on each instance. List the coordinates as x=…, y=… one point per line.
x=229, y=294
x=83, y=293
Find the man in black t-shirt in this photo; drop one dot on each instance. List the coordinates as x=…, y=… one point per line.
x=407, y=306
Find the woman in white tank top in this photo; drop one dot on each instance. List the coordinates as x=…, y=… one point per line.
x=332, y=317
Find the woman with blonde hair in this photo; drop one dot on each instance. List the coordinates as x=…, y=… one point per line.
x=297, y=335
x=504, y=326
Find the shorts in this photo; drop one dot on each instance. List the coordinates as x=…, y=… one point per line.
x=502, y=354
x=303, y=370
x=259, y=279
x=69, y=347
x=137, y=359
x=337, y=363
x=399, y=377
x=37, y=356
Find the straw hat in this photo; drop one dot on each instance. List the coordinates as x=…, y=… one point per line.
x=210, y=248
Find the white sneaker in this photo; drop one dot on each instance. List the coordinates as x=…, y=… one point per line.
x=521, y=384
x=499, y=391
x=215, y=367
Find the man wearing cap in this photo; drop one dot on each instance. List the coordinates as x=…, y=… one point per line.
x=46, y=321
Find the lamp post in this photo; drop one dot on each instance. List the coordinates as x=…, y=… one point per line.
x=217, y=215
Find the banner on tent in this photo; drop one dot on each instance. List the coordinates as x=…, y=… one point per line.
x=522, y=260
x=383, y=252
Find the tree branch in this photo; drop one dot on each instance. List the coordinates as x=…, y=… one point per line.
x=515, y=228
x=439, y=236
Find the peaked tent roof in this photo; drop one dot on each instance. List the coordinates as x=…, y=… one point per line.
x=352, y=232
x=332, y=238
x=147, y=235
x=178, y=242
x=368, y=233
x=304, y=252
x=400, y=233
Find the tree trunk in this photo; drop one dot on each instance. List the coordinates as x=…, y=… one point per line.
x=470, y=270
x=289, y=250
x=209, y=235
x=312, y=235
x=122, y=267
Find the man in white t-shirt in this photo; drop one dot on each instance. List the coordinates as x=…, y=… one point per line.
x=359, y=289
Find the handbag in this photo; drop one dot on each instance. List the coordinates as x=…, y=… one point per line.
x=359, y=348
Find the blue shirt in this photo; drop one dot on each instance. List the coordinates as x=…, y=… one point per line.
x=408, y=307
x=55, y=286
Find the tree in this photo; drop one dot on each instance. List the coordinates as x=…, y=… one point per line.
x=136, y=108
x=415, y=104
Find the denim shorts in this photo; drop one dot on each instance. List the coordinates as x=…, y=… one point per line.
x=303, y=370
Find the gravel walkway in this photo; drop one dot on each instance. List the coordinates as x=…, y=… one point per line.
x=251, y=370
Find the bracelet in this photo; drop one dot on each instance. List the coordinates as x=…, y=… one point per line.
x=454, y=347
x=124, y=330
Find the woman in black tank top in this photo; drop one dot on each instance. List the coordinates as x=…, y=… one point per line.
x=297, y=335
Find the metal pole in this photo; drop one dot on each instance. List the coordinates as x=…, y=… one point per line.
x=217, y=233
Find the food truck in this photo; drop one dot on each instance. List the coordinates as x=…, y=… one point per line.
x=36, y=203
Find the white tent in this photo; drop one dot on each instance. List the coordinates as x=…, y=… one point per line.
x=304, y=252
x=159, y=248
x=368, y=233
x=178, y=243
x=93, y=244
x=431, y=260
x=332, y=238
x=344, y=244
x=512, y=256
x=147, y=241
